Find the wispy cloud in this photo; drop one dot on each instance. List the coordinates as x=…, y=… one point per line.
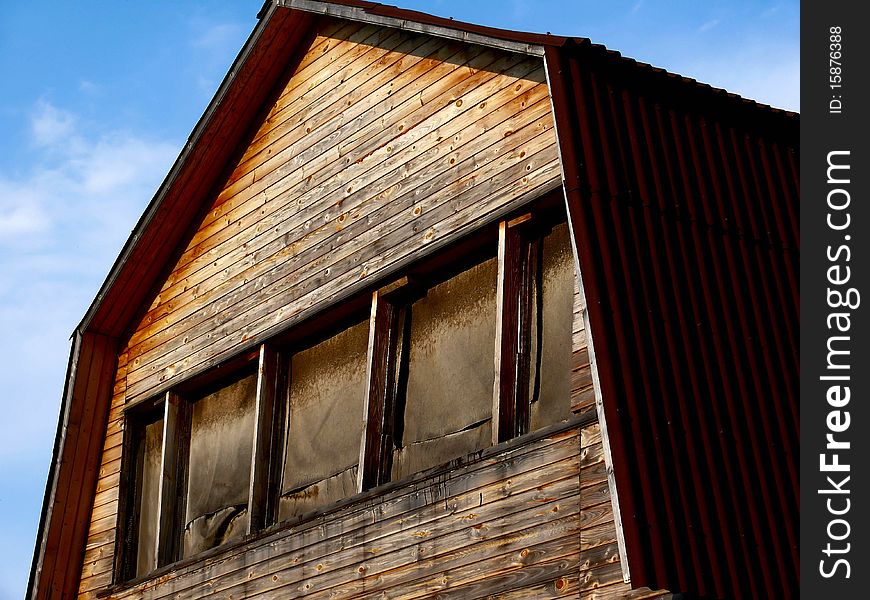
x=707, y=26
x=49, y=125
x=20, y=215
x=61, y=223
x=637, y=6
x=89, y=87
x=771, y=11
x=215, y=45
x=217, y=36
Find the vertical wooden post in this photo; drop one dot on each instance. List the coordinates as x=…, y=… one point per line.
x=386, y=334
x=267, y=449
x=173, y=480
x=510, y=410
x=377, y=385
x=527, y=304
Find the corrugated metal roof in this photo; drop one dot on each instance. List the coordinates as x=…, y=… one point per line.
x=684, y=204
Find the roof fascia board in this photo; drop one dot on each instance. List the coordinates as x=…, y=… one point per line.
x=361, y=15
x=590, y=340
x=54, y=469
x=192, y=140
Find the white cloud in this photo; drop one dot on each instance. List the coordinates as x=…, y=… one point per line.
x=637, y=6
x=61, y=224
x=19, y=215
x=712, y=23
x=773, y=10
x=89, y=87
x=215, y=45
x=217, y=37
x=120, y=161
x=50, y=125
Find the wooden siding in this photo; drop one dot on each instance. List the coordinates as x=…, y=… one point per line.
x=582, y=393
x=382, y=144
x=530, y=520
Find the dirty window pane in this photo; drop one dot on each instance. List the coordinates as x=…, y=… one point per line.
x=551, y=376
x=221, y=439
x=327, y=394
x=448, y=403
x=149, y=498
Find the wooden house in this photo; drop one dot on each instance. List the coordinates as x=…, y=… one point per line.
x=426, y=308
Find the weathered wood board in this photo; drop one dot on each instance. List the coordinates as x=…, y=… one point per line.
x=533, y=517
x=383, y=144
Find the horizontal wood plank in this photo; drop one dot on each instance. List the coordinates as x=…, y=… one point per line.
x=469, y=489
x=350, y=97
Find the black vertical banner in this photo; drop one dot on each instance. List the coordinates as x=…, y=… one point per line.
x=835, y=299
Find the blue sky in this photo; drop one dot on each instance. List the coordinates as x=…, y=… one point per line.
x=98, y=97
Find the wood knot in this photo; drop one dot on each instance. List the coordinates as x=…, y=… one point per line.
x=561, y=584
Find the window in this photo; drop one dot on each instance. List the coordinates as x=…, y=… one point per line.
x=143, y=466
x=466, y=349
x=219, y=465
x=326, y=393
x=441, y=360
x=536, y=315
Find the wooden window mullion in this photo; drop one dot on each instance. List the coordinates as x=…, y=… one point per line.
x=267, y=448
x=376, y=447
x=525, y=309
x=173, y=480
x=515, y=298
x=383, y=413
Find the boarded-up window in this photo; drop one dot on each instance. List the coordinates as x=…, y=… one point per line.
x=148, y=501
x=327, y=394
x=448, y=399
x=219, y=467
x=550, y=379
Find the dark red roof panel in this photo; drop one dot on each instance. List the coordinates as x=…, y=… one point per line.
x=684, y=203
